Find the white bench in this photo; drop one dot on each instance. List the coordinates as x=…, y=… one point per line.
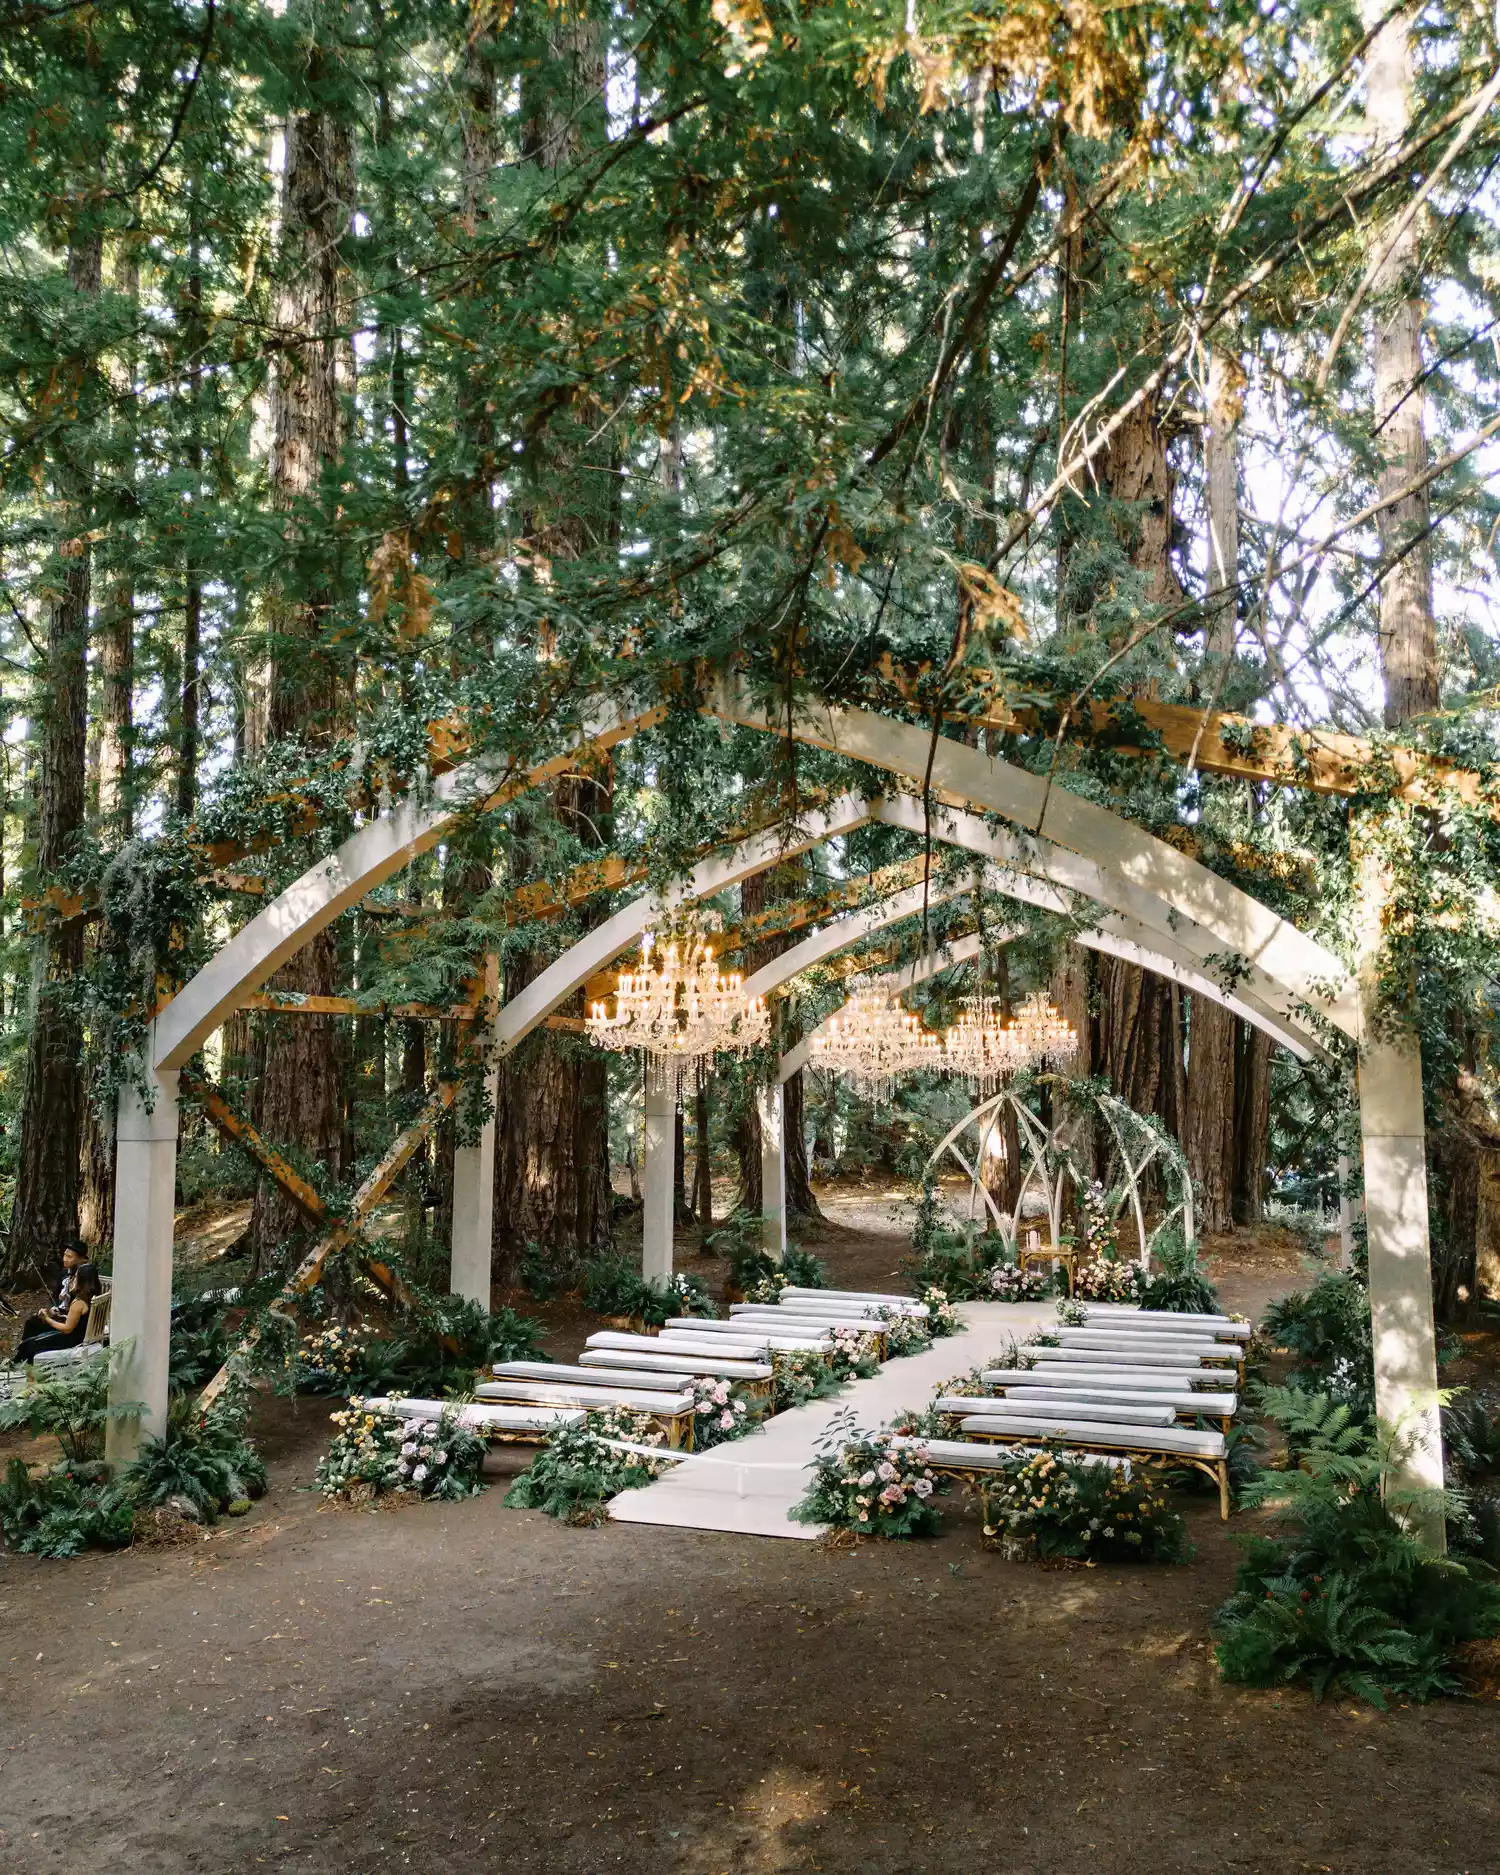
x=1074, y=1373
x=1154, y=1445
x=691, y=1366
x=673, y=1411
x=712, y=1347
x=821, y=1303
x=874, y=1297
x=549, y=1373
x=1182, y=1363
x=743, y=1339
x=1136, y=1413
x=1166, y=1319
x=810, y=1321
x=1184, y=1402
x=742, y=1330
x=523, y=1425
x=1146, y=1338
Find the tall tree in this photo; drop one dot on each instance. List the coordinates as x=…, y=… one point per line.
x=313, y=380
x=47, y=1171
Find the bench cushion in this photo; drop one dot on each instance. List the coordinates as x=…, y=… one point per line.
x=1071, y=1374
x=549, y=1374
x=566, y=1393
x=1199, y=1345
x=483, y=1418
x=876, y=1297
x=1186, y=1440
x=1124, y=1357
x=773, y=1322
x=1214, y=1405
x=607, y=1360
x=1134, y=1413
x=1167, y=1319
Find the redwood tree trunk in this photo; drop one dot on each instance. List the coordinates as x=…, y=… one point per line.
x=45, y=1209
x=1252, y=1122
x=1208, y=1134
x=300, y=1101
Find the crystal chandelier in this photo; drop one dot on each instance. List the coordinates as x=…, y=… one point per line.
x=680, y=1012
x=986, y=1049
x=872, y=1039
x=981, y=1046
x=1043, y=1038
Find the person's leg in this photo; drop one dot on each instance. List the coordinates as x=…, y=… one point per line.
x=42, y=1342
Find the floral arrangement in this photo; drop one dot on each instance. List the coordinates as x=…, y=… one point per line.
x=800, y=1375
x=904, y=1334
x=863, y=1481
x=688, y=1295
x=1101, y=1232
x=942, y=1317
x=720, y=1412
x=1008, y=1282
x=1071, y=1314
x=579, y=1470
x=374, y=1453
x=851, y=1354
x=325, y=1360
x=1094, y=1513
x=1109, y=1281
x=768, y=1288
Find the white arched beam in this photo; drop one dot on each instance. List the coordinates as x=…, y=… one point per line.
x=1127, y=860
x=1135, y=914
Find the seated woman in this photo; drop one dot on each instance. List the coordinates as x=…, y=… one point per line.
x=64, y=1326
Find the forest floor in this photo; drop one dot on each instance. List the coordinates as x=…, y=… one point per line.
x=465, y=1687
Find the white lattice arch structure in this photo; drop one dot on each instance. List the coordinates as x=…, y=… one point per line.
x=1051, y=836
x=1048, y=1163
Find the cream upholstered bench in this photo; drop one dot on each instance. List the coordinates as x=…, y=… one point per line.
x=871, y=1298
x=1184, y=1401
x=1166, y=1319
x=608, y=1361
x=1202, y=1351
x=1161, y=1446
x=1135, y=1413
x=706, y=1335
x=505, y=1425
x=673, y=1411
x=1181, y=1363
x=557, y=1373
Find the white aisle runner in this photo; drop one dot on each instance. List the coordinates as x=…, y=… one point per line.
x=749, y=1485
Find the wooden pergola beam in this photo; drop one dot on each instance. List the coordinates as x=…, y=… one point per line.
x=284, y=1004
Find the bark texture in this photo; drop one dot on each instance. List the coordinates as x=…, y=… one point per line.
x=1208, y=1133
x=1408, y=631
x=300, y=1101
x=45, y=1209
x=1252, y=1122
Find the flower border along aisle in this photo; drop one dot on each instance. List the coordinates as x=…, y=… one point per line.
x=373, y=1454
x=864, y=1484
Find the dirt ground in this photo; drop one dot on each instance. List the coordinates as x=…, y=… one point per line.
x=465, y=1688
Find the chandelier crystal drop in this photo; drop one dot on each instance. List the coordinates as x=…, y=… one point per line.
x=680, y=1012
x=872, y=1039
x=1043, y=1038
x=981, y=1046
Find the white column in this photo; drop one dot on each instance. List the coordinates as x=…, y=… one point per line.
x=1346, y=1215
x=474, y=1182
x=1392, y=1134
x=140, y=1320
x=771, y=1102
x=658, y=1177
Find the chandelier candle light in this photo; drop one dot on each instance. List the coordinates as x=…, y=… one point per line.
x=986, y=1049
x=872, y=1039
x=680, y=1013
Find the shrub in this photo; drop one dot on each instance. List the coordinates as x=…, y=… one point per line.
x=203, y=1457
x=613, y=1286
x=688, y=1295
x=65, y=1510
x=800, y=1375
x=863, y=1481
x=1091, y=1512
x=373, y=1453
x=904, y=1334
x=803, y=1270
x=1180, y=1285
x=1345, y=1599
x=575, y=1475
x=71, y=1405
x=1328, y=1328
